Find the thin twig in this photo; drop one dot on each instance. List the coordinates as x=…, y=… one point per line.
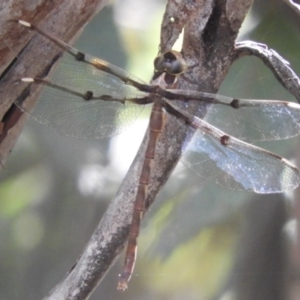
x=293, y=5
x=276, y=63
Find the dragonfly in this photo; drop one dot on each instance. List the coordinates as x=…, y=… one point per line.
x=90, y=98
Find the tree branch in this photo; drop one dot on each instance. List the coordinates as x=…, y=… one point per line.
x=293, y=5
x=19, y=53
x=277, y=64
x=211, y=28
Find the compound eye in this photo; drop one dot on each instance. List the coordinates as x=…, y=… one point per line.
x=176, y=67
x=159, y=63
x=171, y=62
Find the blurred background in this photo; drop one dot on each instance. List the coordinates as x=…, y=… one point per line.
x=197, y=241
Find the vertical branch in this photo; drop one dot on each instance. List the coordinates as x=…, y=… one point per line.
x=211, y=28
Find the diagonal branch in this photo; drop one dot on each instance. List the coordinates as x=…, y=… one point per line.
x=293, y=5
x=54, y=17
x=210, y=30
x=277, y=64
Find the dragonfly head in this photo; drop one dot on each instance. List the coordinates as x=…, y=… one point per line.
x=171, y=62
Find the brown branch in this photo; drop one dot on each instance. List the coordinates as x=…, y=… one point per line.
x=211, y=28
x=63, y=19
x=293, y=5
x=277, y=64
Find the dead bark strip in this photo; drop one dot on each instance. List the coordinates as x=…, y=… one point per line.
x=63, y=19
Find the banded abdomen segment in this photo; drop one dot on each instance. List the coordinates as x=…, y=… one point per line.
x=156, y=124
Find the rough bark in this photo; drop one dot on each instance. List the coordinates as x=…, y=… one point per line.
x=62, y=18
x=211, y=28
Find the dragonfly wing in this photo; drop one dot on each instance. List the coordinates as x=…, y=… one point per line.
x=256, y=120
x=71, y=116
x=247, y=119
x=65, y=108
x=232, y=163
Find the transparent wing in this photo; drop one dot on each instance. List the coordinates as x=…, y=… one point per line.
x=247, y=119
x=62, y=104
x=264, y=120
x=218, y=157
